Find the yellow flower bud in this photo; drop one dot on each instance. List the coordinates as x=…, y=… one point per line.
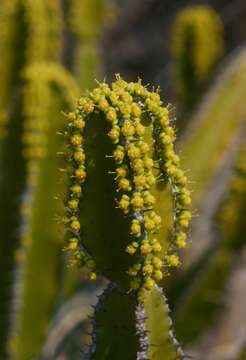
x=137, y=201
x=128, y=129
x=111, y=115
x=157, y=263
x=121, y=171
x=165, y=138
x=157, y=275
x=173, y=260
x=86, y=105
x=92, y=276
x=76, y=189
x=79, y=156
x=73, y=204
x=149, y=283
x=80, y=174
x=180, y=240
x=139, y=129
x=145, y=248
x=147, y=269
x=156, y=247
x=79, y=124
x=72, y=244
x=119, y=154
x=143, y=146
x=150, y=179
x=124, y=184
x=103, y=104
x=136, y=110
x=131, y=249
x=133, y=151
x=71, y=116
x=149, y=199
x=148, y=162
x=138, y=166
x=75, y=225
x=76, y=140
x=124, y=203
x=114, y=134
x=149, y=224
x=139, y=181
x=135, y=228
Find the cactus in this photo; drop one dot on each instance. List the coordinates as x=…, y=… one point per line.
x=27, y=35
x=197, y=45
x=85, y=61
x=210, y=141
x=207, y=290
x=40, y=239
x=121, y=158
x=213, y=128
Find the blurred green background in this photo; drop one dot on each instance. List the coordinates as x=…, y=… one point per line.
x=51, y=52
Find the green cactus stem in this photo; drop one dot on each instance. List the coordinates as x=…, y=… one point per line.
x=207, y=291
x=24, y=37
x=197, y=45
x=85, y=63
x=120, y=160
x=48, y=88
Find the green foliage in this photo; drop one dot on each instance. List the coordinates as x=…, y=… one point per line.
x=197, y=45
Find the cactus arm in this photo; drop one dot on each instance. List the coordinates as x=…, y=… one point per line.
x=41, y=234
x=11, y=32
x=12, y=181
x=100, y=239
x=23, y=34
x=114, y=327
x=120, y=152
x=207, y=290
x=85, y=63
x=197, y=45
x=159, y=327
x=217, y=122
x=44, y=22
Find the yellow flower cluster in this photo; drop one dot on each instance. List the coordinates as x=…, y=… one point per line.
x=76, y=156
x=123, y=106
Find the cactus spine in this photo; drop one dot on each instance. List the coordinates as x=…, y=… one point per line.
x=126, y=172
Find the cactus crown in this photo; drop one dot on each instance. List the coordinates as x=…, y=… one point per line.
x=141, y=159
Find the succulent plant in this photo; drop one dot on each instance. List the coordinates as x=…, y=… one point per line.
x=197, y=45
x=120, y=163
